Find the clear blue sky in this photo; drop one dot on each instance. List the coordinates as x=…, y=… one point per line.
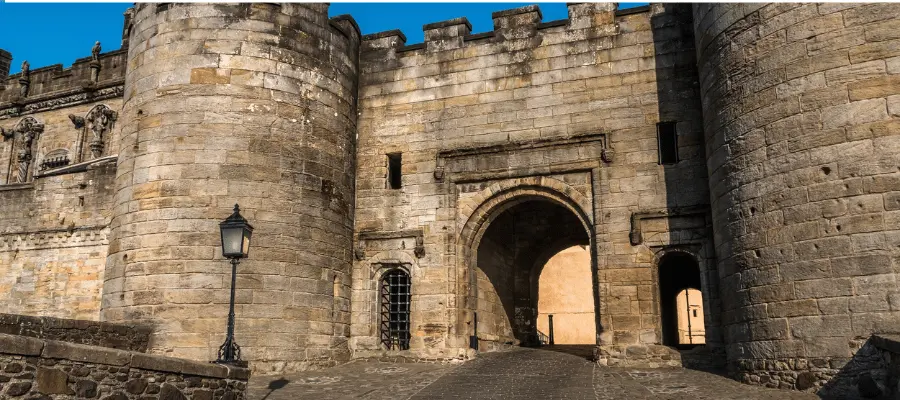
x=47, y=34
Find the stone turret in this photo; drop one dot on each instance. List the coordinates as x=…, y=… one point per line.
x=252, y=104
x=801, y=105
x=5, y=62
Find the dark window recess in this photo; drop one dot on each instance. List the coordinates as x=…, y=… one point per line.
x=394, y=162
x=395, y=296
x=667, y=139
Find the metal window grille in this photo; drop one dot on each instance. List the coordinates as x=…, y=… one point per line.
x=395, y=299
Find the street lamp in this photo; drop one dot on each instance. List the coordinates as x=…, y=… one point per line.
x=235, y=245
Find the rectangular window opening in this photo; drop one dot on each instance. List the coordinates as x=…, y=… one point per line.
x=667, y=138
x=394, y=163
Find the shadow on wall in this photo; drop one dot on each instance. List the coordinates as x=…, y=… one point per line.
x=681, y=156
x=872, y=373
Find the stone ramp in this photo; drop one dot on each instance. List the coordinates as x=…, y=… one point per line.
x=515, y=374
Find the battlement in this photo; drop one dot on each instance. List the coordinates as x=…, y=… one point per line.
x=517, y=23
x=54, y=86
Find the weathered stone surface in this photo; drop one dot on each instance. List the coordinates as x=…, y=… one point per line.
x=834, y=275
x=91, y=377
x=785, y=190
x=14, y=344
x=52, y=381
x=17, y=388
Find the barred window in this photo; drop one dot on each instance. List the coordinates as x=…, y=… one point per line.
x=395, y=299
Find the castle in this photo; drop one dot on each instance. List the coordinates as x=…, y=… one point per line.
x=406, y=197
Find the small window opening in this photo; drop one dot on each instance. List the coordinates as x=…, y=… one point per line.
x=667, y=139
x=394, y=163
x=395, y=301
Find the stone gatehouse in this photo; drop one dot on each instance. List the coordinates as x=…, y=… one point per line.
x=729, y=168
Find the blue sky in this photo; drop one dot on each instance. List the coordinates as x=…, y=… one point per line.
x=46, y=34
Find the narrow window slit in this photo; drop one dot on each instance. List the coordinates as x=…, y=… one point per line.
x=667, y=139
x=394, y=166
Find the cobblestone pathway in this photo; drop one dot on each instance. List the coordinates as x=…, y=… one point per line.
x=514, y=374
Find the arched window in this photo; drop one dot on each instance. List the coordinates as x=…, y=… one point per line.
x=395, y=299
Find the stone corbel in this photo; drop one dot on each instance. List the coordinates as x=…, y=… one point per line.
x=420, y=247
x=606, y=155
x=360, y=251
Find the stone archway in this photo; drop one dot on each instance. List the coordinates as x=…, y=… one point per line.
x=511, y=226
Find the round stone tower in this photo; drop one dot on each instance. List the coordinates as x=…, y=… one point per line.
x=802, y=118
x=252, y=104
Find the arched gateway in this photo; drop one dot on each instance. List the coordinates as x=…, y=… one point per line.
x=515, y=229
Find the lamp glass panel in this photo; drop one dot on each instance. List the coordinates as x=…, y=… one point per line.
x=232, y=240
x=246, y=242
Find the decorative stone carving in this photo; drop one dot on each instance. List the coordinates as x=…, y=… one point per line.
x=420, y=247
x=606, y=155
x=100, y=121
x=77, y=121
x=95, y=62
x=28, y=130
x=95, y=52
x=25, y=79
x=64, y=100
x=360, y=251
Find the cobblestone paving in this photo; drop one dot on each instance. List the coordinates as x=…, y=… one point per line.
x=513, y=374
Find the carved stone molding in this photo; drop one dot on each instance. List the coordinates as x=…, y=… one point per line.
x=418, y=235
x=527, y=158
x=62, y=99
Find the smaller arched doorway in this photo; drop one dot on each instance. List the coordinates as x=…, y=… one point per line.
x=681, y=301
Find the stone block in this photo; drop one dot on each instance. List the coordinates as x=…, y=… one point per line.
x=854, y=113
x=820, y=326
x=819, y=288
x=52, y=381
x=21, y=345
x=855, y=72
x=875, y=51
x=83, y=353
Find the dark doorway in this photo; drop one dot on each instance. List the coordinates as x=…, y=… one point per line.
x=681, y=301
x=515, y=246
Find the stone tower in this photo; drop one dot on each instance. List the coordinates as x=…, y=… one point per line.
x=5, y=61
x=252, y=104
x=801, y=104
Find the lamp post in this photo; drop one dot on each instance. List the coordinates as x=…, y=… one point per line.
x=235, y=245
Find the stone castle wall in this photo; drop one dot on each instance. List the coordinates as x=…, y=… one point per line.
x=530, y=103
x=54, y=223
x=129, y=337
x=802, y=121
x=48, y=369
x=249, y=104
x=53, y=227
x=257, y=104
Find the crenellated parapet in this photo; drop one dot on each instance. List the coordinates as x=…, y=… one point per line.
x=513, y=24
x=97, y=77
x=89, y=79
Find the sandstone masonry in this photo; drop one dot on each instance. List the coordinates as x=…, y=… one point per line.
x=463, y=164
